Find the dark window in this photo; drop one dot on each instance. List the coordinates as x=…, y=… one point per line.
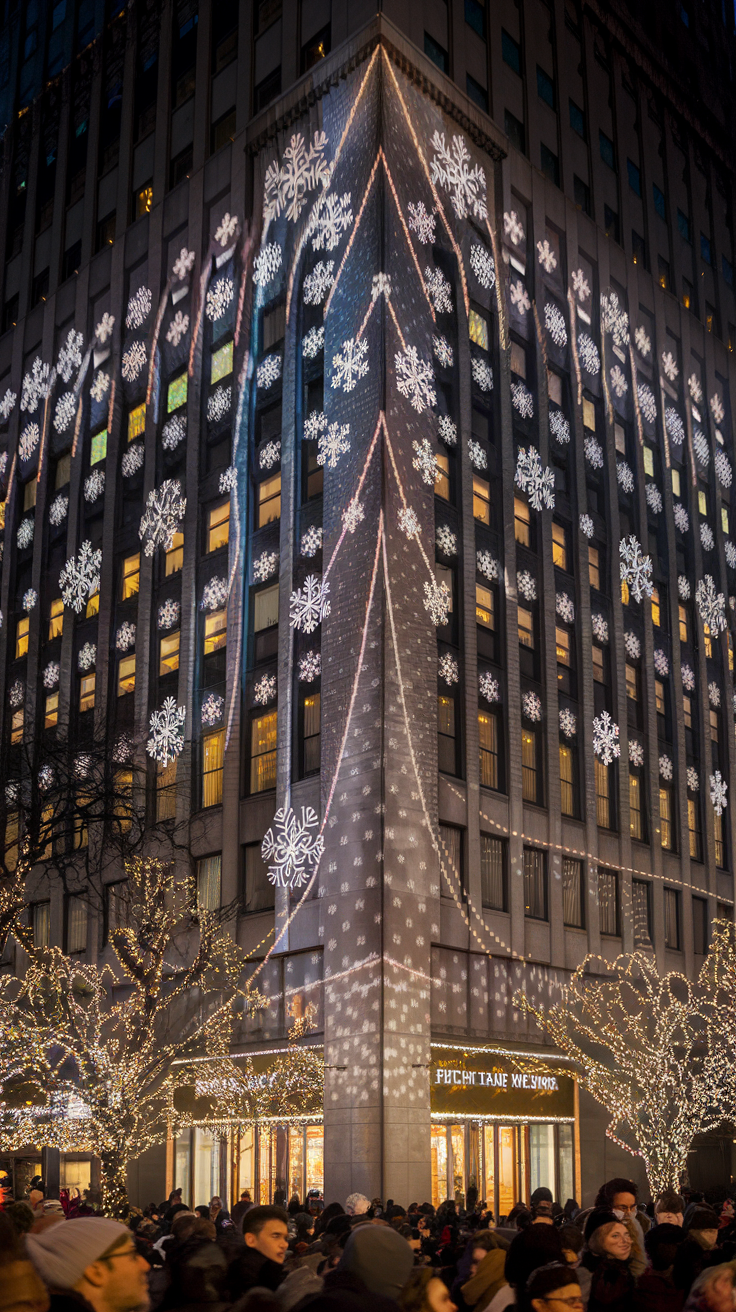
x=433, y=50
x=727, y=270
x=514, y=130
x=700, y=926
x=72, y=260
x=550, y=164
x=224, y=37
x=267, y=90
x=658, y=201
x=642, y=908
x=181, y=166
x=638, y=249
x=663, y=273
x=577, y=120
x=258, y=891
x=493, y=873
x=40, y=287
x=476, y=92
x=316, y=49
x=573, y=907
x=610, y=223
x=311, y=733
x=545, y=87
x=705, y=251
x=475, y=16
x=535, y=884
x=671, y=918
x=606, y=149
x=608, y=900
x=222, y=131
x=10, y=312
x=582, y=194
x=511, y=51
x=683, y=225
x=634, y=176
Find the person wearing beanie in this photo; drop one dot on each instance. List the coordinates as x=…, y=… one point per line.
x=697, y=1251
x=669, y=1209
x=656, y=1290
x=608, y=1252
x=92, y=1263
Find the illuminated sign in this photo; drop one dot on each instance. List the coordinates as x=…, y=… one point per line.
x=478, y=1082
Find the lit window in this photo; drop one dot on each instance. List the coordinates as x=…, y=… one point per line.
x=93, y=606
x=559, y=546
x=687, y=711
x=87, y=692
x=529, y=765
x=213, y=751
x=2, y=514
x=659, y=696
x=63, y=470
x=518, y=360
x=41, y=919
x=137, y=421
x=209, y=880
x=656, y=609
x=649, y=461
x=175, y=555
x=56, y=618
x=635, y=819
x=567, y=791
x=21, y=637
x=218, y=532
x=478, y=329
x=177, y=394
x=126, y=675
x=665, y=818
x=588, y=415
x=98, y=447
x=263, y=752
x=143, y=200
x=599, y=669
x=76, y=925
x=269, y=500
x=724, y=518
x=602, y=795
x=29, y=494
x=702, y=502
x=713, y=718
x=131, y=575
x=620, y=439
x=488, y=745
x=522, y=523
x=481, y=500
x=624, y=593
x=562, y=644
x=169, y=654
x=632, y=683
x=221, y=363
x=683, y=623
x=51, y=715
x=484, y=607
x=526, y=628
x=166, y=791
x=554, y=387
x=266, y=608
x=707, y=642
x=676, y=482
x=16, y=726
x=594, y=567
x=215, y=631
x=123, y=810
x=693, y=824
x=442, y=478
x=720, y=846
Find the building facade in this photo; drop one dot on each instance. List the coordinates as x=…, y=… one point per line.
x=366, y=449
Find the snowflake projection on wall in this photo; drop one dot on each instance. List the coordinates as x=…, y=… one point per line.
x=16, y=693
x=682, y=519
x=125, y=636
x=636, y=753
x=3, y=463
x=228, y=480
x=718, y=790
x=614, y=319
x=714, y=693
x=688, y=678
x=381, y=286
x=87, y=656
x=695, y=389
x=559, y=427
x=487, y=566
x=588, y=353
x=265, y=566
x=619, y=385
x=546, y=256
x=624, y=476
x=643, y=341
x=163, y=516
x=565, y=607
x=533, y=478
x=214, y=594
x=70, y=355
x=489, y=687
x=292, y=847
x=286, y=186
x=438, y=601
x=599, y=625
x=330, y=218
x=36, y=385
x=183, y=264
x=178, y=328
x=555, y=323
x=311, y=541
x=166, y=732
x=266, y=264
x=446, y=540
x=568, y=723
x=635, y=568
x=408, y=523
x=30, y=598
x=482, y=373
x=522, y=399
x=7, y=403
x=139, y=308
x=24, y=535
x=169, y=614
x=58, y=510
x=674, y=425
x=717, y=409
x=51, y=674
x=693, y=781
x=661, y=663
x=313, y=342
x=448, y=668
x=100, y=386
x=669, y=364
x=264, y=690
x=706, y=537
x=654, y=498
x=711, y=604
x=309, y=605
x=731, y=555
x=227, y=228
x=466, y=185
x=519, y=297
x=605, y=738
x=94, y=485
x=80, y=577
x=103, y=331
x=513, y=227
x=632, y=645
x=267, y=373
x=425, y=462
x=439, y=290
x=353, y=515
x=219, y=298
x=134, y=360
x=28, y=441
x=647, y=403
x=593, y=452
x=64, y=412
x=45, y=778
x=447, y=429
x=317, y=283
x=212, y=708
x=350, y=364
x=174, y=431
x=526, y=584
x=483, y=266
x=683, y=587
x=701, y=448
x=477, y=455
x=587, y=526
x=310, y=667
x=443, y=351
x=531, y=707
x=421, y=222
x=722, y=468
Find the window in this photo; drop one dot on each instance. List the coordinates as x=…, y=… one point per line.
x=177, y=393
x=707, y=642
x=476, y=92
x=137, y=422
x=451, y=854
x=258, y=891
x=218, y=526
x=608, y=900
x=687, y=710
x=478, y=329
x=656, y=608
x=63, y=470
x=312, y=706
x=602, y=795
x=511, y=51
x=724, y=518
x=549, y=164
x=588, y=415
x=682, y=620
x=481, y=500
x=594, y=567
x=659, y=701
x=693, y=824
x=554, y=386
x=215, y=631
x=676, y=489
x=213, y=752
x=263, y=752
x=577, y=119
x=269, y=500
x=638, y=249
x=700, y=926
x=434, y=51
x=727, y=271
x=21, y=636
x=316, y=49
x=599, y=664
x=116, y=907
x=619, y=438
x=567, y=780
x=41, y=922
x=663, y=273
x=221, y=363
x=442, y=477
x=683, y=225
x=175, y=555
x=16, y=726
x=720, y=845
x=484, y=607
x=29, y=494
x=518, y=359
x=535, y=884
x=266, y=91
x=562, y=644
x=493, y=873
x=634, y=173
x=581, y=194
x=51, y=714
x=489, y=753
x=713, y=718
x=266, y=608
x=606, y=149
x=166, y=791
x=526, y=628
x=529, y=773
x=666, y=832
x=87, y=692
x=642, y=909
x=56, y=618
x=126, y=675
x=545, y=87
x=572, y=893
x=475, y=17
x=209, y=882
x=687, y=294
x=671, y=918
x=522, y=522
x=636, y=825
x=705, y=250
x=514, y=129
x=131, y=576
x=168, y=653
x=446, y=752
x=76, y=925
x=648, y=457
x=611, y=224
x=632, y=682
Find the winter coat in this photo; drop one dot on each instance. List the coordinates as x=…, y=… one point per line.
x=611, y=1284
x=656, y=1291
x=691, y=1259
x=251, y=1268
x=488, y=1279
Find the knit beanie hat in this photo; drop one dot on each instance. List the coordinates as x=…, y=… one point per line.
x=598, y=1217
x=703, y=1218
x=62, y=1253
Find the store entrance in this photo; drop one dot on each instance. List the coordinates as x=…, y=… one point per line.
x=505, y=1163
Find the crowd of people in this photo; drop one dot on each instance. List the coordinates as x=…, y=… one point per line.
x=675, y=1255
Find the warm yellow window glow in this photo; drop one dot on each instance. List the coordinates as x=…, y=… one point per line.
x=21, y=637
x=169, y=653
x=215, y=631
x=218, y=531
x=175, y=556
x=131, y=575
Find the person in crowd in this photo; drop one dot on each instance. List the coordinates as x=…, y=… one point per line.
x=203, y=1211
x=656, y=1290
x=294, y=1205
x=425, y=1292
x=198, y=1270
x=543, y=1212
x=608, y=1258
x=323, y=1220
x=572, y=1242
x=696, y=1251
x=356, y=1205
x=219, y=1215
x=375, y=1265
x=669, y=1209
x=21, y=1215
x=541, y=1195
x=243, y=1205
x=92, y=1260
x=21, y=1289
x=533, y=1247
x=552, y=1289
x=486, y=1272
x=261, y=1262
x=714, y=1290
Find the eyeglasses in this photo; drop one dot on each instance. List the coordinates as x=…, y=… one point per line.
x=566, y=1302
x=126, y=1252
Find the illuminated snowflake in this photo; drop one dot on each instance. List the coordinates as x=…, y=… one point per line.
x=313, y=342
x=701, y=448
x=614, y=319
x=286, y=185
x=212, y=708
x=559, y=426
x=36, y=385
x=513, y=227
x=446, y=540
x=723, y=469
x=265, y=566
x=178, y=328
x=565, y=607
x=618, y=381
x=447, y=429
x=489, y=687
x=632, y=645
x=70, y=355
x=28, y=441
x=330, y=218
x=94, y=485
x=270, y=454
x=309, y=605
x=532, y=477
x=635, y=568
x=311, y=541
x=580, y=285
x=555, y=323
x=265, y=690
x=353, y=515
x=483, y=266
x=546, y=256
x=421, y=222
x=174, y=431
x=674, y=425
x=531, y=706
x=661, y=663
x=80, y=577
x=350, y=364
x=647, y=403
x=166, y=736
x=519, y=297
x=183, y=264
x=522, y=399
x=718, y=790
x=58, y=510
x=30, y=598
x=100, y=386
x=711, y=604
x=310, y=666
x=717, y=409
x=605, y=738
x=706, y=537
x=477, y=455
x=526, y=584
x=318, y=282
x=669, y=364
x=265, y=266
x=587, y=526
x=439, y=290
x=123, y=749
x=24, y=536
x=425, y=462
x=643, y=343
x=290, y=847
x=683, y=587
x=624, y=476
x=228, y=480
x=693, y=781
x=139, y=307
x=466, y=185
x=227, y=229
x=51, y=674
x=448, y=668
x=163, y=516
x=443, y=351
x=682, y=519
x=438, y=601
x=125, y=636
x=636, y=753
x=593, y=452
x=599, y=625
x=408, y=523
x=219, y=298
x=7, y=403
x=482, y=373
x=16, y=694
x=588, y=352
x=169, y=614
x=568, y=723
x=731, y=555
x=214, y=594
x=714, y=693
x=87, y=656
x=654, y=498
x=3, y=463
x=133, y=361
x=267, y=373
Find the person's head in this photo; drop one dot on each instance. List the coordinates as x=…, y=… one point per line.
x=606, y=1236
x=183, y=1225
x=203, y=1230
x=267, y=1230
x=245, y=1196
x=203, y=1210
x=215, y=1205
x=542, y=1213
x=356, y=1204
x=378, y=1257
x=703, y=1227
x=552, y=1289
x=541, y=1195
x=669, y=1209
x=619, y=1196
x=481, y=1243
x=21, y=1289
x=538, y=1245
x=425, y=1292
x=414, y=1239
x=661, y=1243
x=21, y=1215
x=572, y=1243
x=96, y=1258
x=199, y=1270
x=714, y=1290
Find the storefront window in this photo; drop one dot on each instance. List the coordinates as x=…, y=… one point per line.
x=566, y=1163
x=542, y=1157
x=457, y=1141
x=507, y=1188
x=439, y=1164
x=264, y=1164
x=489, y=1165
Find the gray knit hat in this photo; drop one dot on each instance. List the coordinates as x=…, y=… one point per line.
x=62, y=1253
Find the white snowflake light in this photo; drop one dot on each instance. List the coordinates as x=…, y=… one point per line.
x=94, y=485
x=714, y=693
x=635, y=568
x=605, y=738
x=311, y=541
x=439, y=290
x=330, y=218
x=722, y=468
x=166, y=736
x=291, y=849
x=669, y=364
x=103, y=331
x=408, y=523
x=36, y=385
x=466, y=185
x=58, y=510
x=522, y=399
x=80, y=577
x=519, y=297
x=269, y=455
x=163, y=516
x=717, y=408
x=264, y=690
x=425, y=462
x=619, y=385
x=443, y=351
x=87, y=656
x=447, y=429
x=51, y=674
x=7, y=403
x=133, y=361
x=478, y=457
x=593, y=451
x=350, y=364
x=555, y=323
x=513, y=227
x=415, y=379
x=661, y=663
x=169, y=614
x=64, y=412
x=718, y=790
x=693, y=782
x=174, y=431
x=647, y=403
x=711, y=604
x=588, y=353
x=422, y=223
x=353, y=515
x=482, y=373
x=28, y=441
x=682, y=519
x=227, y=228
x=310, y=667
x=643, y=342
x=438, y=601
x=683, y=587
x=559, y=427
x=706, y=537
x=654, y=498
x=587, y=526
x=446, y=540
x=568, y=723
x=24, y=535
x=674, y=425
x=700, y=446
x=483, y=266
x=526, y=584
x=580, y=285
x=546, y=256
x=599, y=626
x=212, y=708
x=309, y=605
x=730, y=555
x=489, y=687
x=266, y=265
x=624, y=476
x=178, y=328
x=100, y=386
x=3, y=463
x=632, y=645
x=533, y=478
x=265, y=566
x=183, y=264
x=565, y=607
x=125, y=636
x=16, y=693
x=313, y=342
x=139, y=307
x=448, y=668
x=219, y=298
x=614, y=319
x=70, y=355
x=267, y=373
x=30, y=598
x=214, y=594
x=332, y=444
x=318, y=282
x=688, y=678
x=636, y=753
x=531, y=707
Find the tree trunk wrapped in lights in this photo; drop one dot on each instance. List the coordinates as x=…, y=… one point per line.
x=658, y=1052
